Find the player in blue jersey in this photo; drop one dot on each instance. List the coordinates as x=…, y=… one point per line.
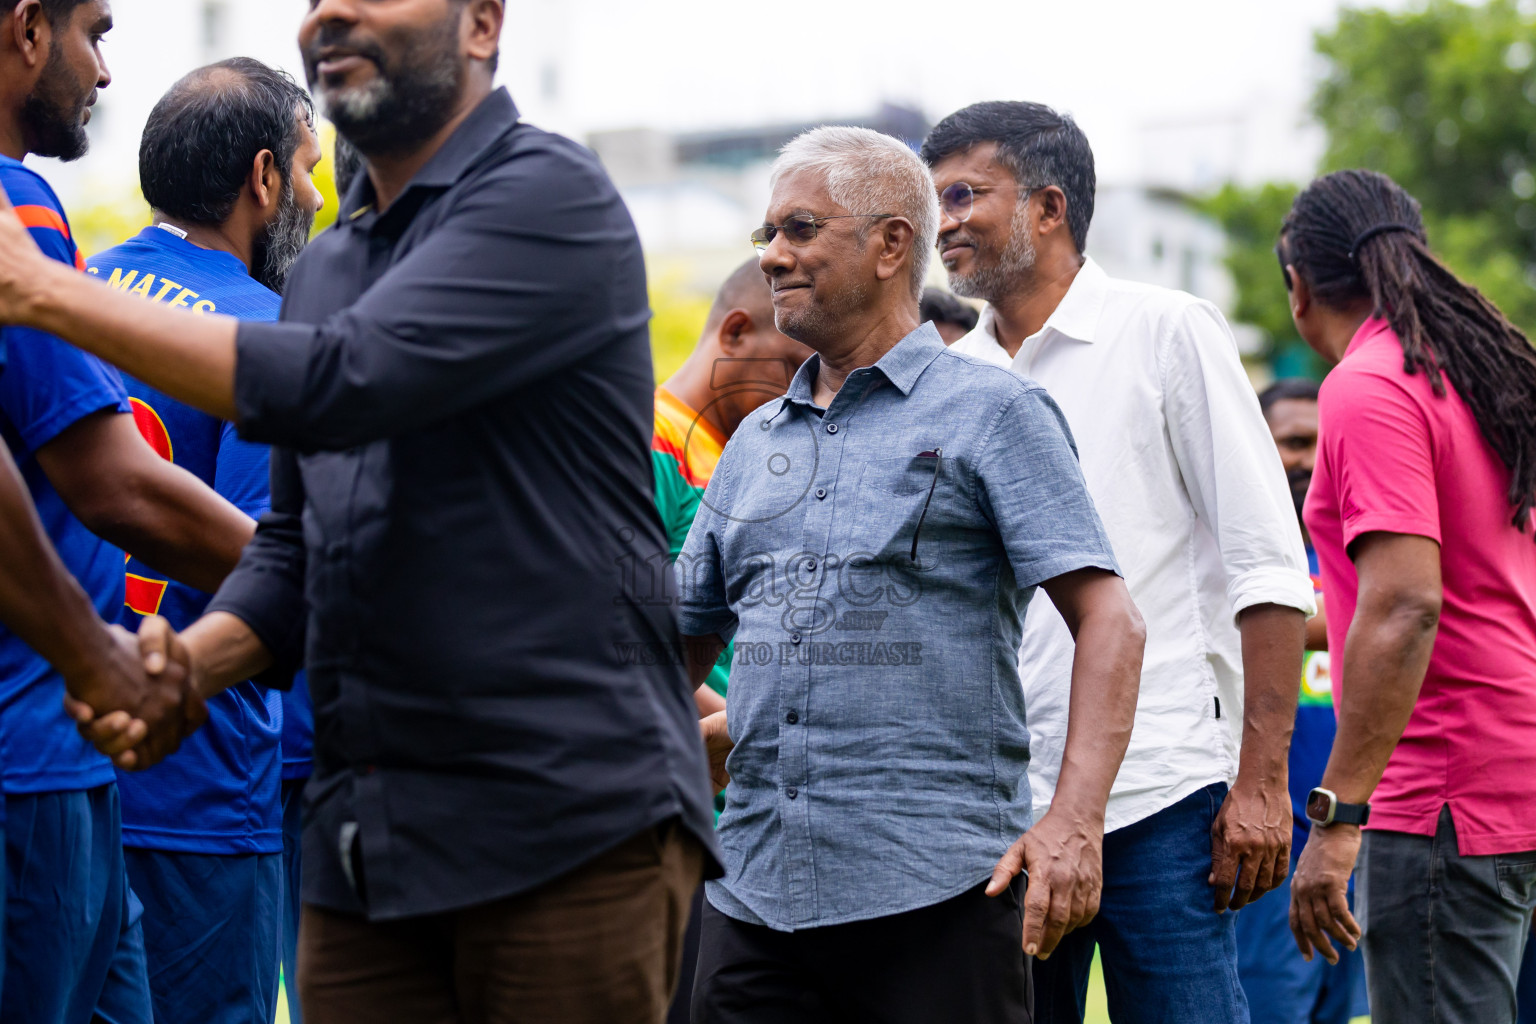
x=1283, y=988
x=225, y=165
x=42, y=605
x=72, y=943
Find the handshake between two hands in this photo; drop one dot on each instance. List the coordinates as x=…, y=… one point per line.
x=140, y=699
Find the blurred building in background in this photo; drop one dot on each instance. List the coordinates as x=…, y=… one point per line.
x=695, y=197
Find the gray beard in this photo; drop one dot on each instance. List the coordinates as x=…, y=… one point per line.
x=403, y=107
x=1013, y=264
x=285, y=240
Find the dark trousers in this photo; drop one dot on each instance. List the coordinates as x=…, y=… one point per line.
x=1444, y=933
x=681, y=1010
x=960, y=960
x=596, y=946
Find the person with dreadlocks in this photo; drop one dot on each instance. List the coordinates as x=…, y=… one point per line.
x=1420, y=510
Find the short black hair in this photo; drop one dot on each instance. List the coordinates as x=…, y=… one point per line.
x=941, y=307
x=53, y=10
x=1303, y=389
x=1040, y=147
x=203, y=135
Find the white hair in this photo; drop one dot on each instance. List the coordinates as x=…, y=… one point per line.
x=869, y=172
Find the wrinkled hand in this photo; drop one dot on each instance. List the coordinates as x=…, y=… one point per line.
x=1250, y=843
x=168, y=710
x=718, y=744
x=1065, y=862
x=20, y=259
x=1320, y=892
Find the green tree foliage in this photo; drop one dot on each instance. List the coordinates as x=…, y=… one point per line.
x=1251, y=217
x=1441, y=97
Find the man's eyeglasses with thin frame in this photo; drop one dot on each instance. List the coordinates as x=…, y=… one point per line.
x=958, y=200
x=801, y=228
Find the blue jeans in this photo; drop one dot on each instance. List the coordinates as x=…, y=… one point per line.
x=1282, y=988
x=1444, y=932
x=1168, y=957
x=1525, y=992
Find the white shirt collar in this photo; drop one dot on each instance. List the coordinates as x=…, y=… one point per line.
x=1076, y=317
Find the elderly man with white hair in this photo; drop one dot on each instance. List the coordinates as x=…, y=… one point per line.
x=871, y=540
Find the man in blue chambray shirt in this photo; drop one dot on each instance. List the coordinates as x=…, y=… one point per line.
x=871, y=541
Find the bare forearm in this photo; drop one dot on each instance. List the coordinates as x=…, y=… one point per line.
x=179, y=527
x=1385, y=657
x=39, y=600
x=1317, y=628
x=1274, y=639
x=1106, y=677
x=225, y=651
x=188, y=356
x=707, y=701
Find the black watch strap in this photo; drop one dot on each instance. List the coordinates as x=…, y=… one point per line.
x=1350, y=814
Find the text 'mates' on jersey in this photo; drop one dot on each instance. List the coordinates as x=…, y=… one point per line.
x=219, y=794
x=47, y=387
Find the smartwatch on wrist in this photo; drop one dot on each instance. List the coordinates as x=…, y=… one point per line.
x=1324, y=808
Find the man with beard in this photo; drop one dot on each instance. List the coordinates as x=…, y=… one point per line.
x=509, y=810
x=225, y=164
x=1282, y=987
x=99, y=490
x=1185, y=475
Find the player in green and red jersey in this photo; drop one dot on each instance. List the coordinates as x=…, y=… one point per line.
x=740, y=362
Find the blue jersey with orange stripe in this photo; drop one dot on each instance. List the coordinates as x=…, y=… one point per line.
x=219, y=794
x=47, y=387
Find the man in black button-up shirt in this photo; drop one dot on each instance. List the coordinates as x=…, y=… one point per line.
x=460, y=391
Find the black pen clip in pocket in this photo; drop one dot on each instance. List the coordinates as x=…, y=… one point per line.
x=937, y=455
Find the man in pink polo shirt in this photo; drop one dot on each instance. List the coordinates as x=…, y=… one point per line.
x=1421, y=513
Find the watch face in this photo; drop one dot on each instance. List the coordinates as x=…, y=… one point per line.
x=1319, y=805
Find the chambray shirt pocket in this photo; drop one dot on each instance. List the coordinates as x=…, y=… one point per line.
x=896, y=499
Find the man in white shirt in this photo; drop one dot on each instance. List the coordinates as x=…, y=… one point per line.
x=1186, y=478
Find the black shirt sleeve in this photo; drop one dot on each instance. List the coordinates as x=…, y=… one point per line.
x=513, y=285
x=266, y=590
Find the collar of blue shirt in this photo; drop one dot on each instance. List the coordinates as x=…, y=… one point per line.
x=902, y=365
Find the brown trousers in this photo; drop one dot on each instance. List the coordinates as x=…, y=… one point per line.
x=600, y=945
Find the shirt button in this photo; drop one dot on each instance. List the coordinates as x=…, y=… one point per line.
x=792, y=718
x=791, y=792
x=831, y=428
x=821, y=493
x=794, y=638
x=810, y=566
